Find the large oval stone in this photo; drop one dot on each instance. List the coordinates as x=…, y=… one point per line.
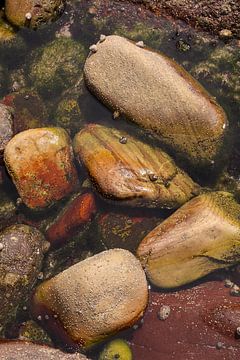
x=200, y=237
x=93, y=299
x=40, y=162
x=131, y=171
x=155, y=92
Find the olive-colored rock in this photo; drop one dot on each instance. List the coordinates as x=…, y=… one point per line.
x=57, y=66
x=200, y=237
x=24, y=350
x=131, y=171
x=20, y=262
x=31, y=331
x=116, y=349
x=29, y=110
x=6, y=126
x=32, y=13
x=156, y=93
x=68, y=115
x=40, y=162
x=93, y=299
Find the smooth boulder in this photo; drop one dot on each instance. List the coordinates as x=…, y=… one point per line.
x=158, y=94
x=132, y=172
x=93, y=299
x=200, y=237
x=40, y=162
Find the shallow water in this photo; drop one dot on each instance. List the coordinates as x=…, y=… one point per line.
x=193, y=50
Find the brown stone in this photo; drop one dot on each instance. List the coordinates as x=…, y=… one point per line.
x=200, y=237
x=40, y=162
x=130, y=171
x=158, y=94
x=93, y=299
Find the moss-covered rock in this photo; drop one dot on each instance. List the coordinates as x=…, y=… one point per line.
x=68, y=115
x=57, y=66
x=116, y=349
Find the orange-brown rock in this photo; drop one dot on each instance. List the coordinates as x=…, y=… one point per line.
x=24, y=350
x=130, y=171
x=40, y=162
x=155, y=92
x=200, y=237
x=77, y=212
x=93, y=299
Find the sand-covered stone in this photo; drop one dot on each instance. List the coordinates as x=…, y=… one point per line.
x=130, y=171
x=200, y=237
x=155, y=92
x=40, y=162
x=16, y=350
x=93, y=299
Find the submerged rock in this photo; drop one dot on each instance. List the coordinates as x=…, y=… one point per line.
x=116, y=349
x=21, y=257
x=69, y=115
x=32, y=13
x=3, y=80
x=29, y=110
x=31, y=331
x=15, y=350
x=6, y=127
x=8, y=209
x=93, y=299
x=200, y=237
x=166, y=100
x=131, y=171
x=57, y=66
x=40, y=162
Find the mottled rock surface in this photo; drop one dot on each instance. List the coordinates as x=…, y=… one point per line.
x=6, y=127
x=131, y=171
x=40, y=162
x=166, y=100
x=200, y=237
x=93, y=299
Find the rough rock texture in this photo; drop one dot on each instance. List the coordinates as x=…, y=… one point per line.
x=33, y=13
x=187, y=334
x=211, y=15
x=77, y=212
x=15, y=350
x=93, y=299
x=167, y=101
x=8, y=209
x=20, y=262
x=6, y=127
x=40, y=162
x=200, y=237
x=131, y=171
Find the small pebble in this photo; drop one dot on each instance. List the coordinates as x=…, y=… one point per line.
x=219, y=345
x=1, y=246
x=26, y=97
x=40, y=276
x=228, y=283
x=153, y=177
x=24, y=308
x=135, y=327
x=116, y=114
x=28, y=16
x=235, y=290
x=123, y=140
x=225, y=34
x=140, y=44
x=39, y=317
x=164, y=312
x=102, y=38
x=46, y=317
x=93, y=48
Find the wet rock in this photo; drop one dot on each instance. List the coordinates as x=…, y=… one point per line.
x=132, y=172
x=186, y=333
x=76, y=213
x=6, y=127
x=124, y=231
x=68, y=115
x=20, y=262
x=116, y=349
x=29, y=110
x=31, y=331
x=167, y=101
x=57, y=66
x=93, y=299
x=197, y=239
x=8, y=210
x=15, y=350
x=32, y=14
x=40, y=162
x=3, y=80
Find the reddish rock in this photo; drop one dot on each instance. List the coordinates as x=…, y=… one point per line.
x=29, y=110
x=40, y=162
x=78, y=211
x=185, y=334
x=24, y=350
